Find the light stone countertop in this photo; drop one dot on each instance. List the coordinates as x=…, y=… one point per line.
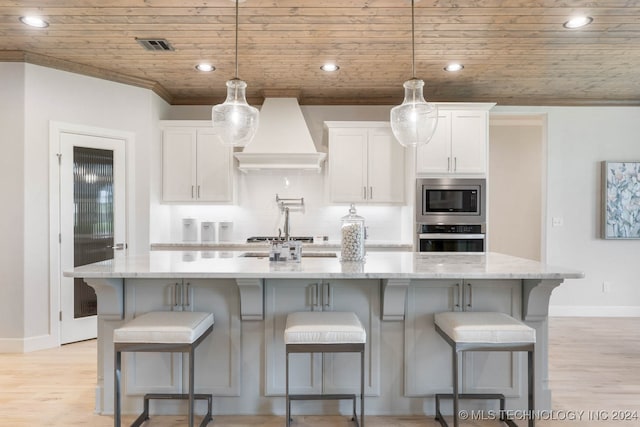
x=242, y=245
x=378, y=265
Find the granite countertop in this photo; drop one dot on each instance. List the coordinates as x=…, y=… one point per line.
x=378, y=265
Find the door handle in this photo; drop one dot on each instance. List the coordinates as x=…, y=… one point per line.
x=470, y=303
x=327, y=302
x=117, y=246
x=457, y=295
x=187, y=296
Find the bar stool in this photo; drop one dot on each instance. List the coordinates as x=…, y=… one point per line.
x=485, y=331
x=325, y=332
x=162, y=331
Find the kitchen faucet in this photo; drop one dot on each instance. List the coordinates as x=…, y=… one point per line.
x=286, y=225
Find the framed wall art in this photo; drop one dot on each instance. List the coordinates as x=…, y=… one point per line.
x=621, y=200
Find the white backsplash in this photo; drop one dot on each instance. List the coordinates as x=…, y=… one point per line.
x=257, y=213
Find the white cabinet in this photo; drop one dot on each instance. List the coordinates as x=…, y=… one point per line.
x=428, y=357
x=196, y=167
x=218, y=357
x=459, y=145
x=366, y=163
x=313, y=373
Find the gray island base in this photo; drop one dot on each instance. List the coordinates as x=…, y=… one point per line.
x=395, y=294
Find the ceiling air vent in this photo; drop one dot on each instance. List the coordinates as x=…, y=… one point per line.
x=155, y=45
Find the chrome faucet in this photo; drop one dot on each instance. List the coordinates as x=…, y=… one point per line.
x=286, y=223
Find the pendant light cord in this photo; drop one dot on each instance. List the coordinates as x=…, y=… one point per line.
x=413, y=42
x=237, y=3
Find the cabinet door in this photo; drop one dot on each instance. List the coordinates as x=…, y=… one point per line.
x=435, y=157
x=150, y=372
x=348, y=164
x=214, y=176
x=469, y=142
x=495, y=371
x=178, y=164
x=218, y=357
x=341, y=371
x=385, y=167
x=427, y=355
x=281, y=298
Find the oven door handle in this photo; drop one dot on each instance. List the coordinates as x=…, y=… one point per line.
x=450, y=236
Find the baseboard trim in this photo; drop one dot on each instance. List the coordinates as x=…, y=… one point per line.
x=594, y=311
x=26, y=345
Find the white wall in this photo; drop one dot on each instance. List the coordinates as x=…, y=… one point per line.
x=516, y=149
x=12, y=222
x=52, y=95
x=579, y=139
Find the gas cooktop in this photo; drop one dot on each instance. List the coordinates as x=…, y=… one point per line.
x=304, y=239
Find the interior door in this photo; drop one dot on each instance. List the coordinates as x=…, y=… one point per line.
x=92, y=222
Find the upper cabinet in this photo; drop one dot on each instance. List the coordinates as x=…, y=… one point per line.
x=366, y=163
x=196, y=167
x=459, y=145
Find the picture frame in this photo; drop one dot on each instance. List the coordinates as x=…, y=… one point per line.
x=621, y=200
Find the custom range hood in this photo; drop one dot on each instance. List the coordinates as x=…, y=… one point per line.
x=282, y=142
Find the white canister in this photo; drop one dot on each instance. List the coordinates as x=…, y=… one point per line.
x=208, y=231
x=225, y=231
x=189, y=229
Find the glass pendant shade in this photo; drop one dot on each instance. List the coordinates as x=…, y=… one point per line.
x=414, y=121
x=235, y=121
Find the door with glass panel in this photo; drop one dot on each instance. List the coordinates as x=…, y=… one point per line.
x=92, y=222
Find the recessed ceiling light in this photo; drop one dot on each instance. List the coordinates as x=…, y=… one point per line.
x=329, y=67
x=577, y=22
x=454, y=67
x=205, y=67
x=34, y=21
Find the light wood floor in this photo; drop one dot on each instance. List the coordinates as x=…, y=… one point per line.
x=594, y=366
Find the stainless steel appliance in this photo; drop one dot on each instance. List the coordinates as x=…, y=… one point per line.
x=450, y=201
x=450, y=215
x=451, y=238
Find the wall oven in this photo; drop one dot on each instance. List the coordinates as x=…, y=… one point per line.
x=450, y=214
x=451, y=238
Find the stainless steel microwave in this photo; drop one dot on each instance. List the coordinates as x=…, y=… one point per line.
x=450, y=201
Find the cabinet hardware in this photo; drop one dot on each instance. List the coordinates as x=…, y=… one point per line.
x=175, y=295
x=457, y=295
x=448, y=163
x=198, y=191
x=370, y=193
x=315, y=297
x=365, y=193
x=470, y=303
x=192, y=188
x=455, y=164
x=187, y=297
x=326, y=301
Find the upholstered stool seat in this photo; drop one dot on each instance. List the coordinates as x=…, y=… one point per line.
x=162, y=331
x=325, y=332
x=485, y=331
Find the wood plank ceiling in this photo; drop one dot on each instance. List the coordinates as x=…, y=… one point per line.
x=514, y=51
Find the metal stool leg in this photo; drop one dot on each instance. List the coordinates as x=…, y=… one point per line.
x=531, y=379
x=456, y=396
x=191, y=385
x=116, y=389
x=288, y=401
x=362, y=388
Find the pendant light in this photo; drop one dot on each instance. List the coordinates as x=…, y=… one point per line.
x=414, y=121
x=235, y=121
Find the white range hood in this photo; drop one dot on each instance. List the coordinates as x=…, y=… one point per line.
x=282, y=141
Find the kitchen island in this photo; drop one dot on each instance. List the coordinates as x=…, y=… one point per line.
x=395, y=294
